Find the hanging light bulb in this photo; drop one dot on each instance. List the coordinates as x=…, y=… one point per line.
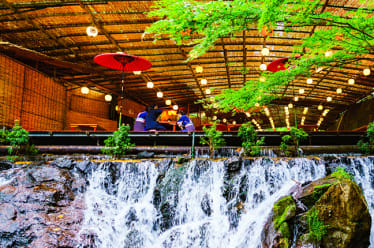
x=168, y=102
x=203, y=81
x=202, y=114
x=207, y=91
x=320, y=107
x=301, y=91
x=108, y=97
x=296, y=99
x=224, y=120
x=215, y=117
x=137, y=72
x=290, y=105
x=175, y=107
x=339, y=90
x=265, y=51
x=92, y=31
x=329, y=99
x=117, y=108
x=328, y=53
x=366, y=72
x=309, y=81
x=199, y=69
x=351, y=81
x=262, y=79
x=305, y=110
x=85, y=90
x=234, y=122
x=263, y=67
x=150, y=85
x=248, y=114
x=160, y=94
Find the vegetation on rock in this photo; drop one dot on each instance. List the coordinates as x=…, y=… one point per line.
x=213, y=138
x=119, y=143
x=316, y=227
x=294, y=138
x=250, y=141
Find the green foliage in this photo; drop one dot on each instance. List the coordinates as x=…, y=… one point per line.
x=213, y=138
x=18, y=139
x=119, y=143
x=315, y=226
x=296, y=135
x=340, y=173
x=367, y=147
x=3, y=137
x=250, y=142
x=203, y=23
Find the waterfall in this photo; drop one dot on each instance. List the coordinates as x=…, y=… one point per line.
x=201, y=204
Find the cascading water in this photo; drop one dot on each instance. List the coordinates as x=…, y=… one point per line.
x=202, y=204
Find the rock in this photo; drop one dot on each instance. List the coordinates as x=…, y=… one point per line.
x=84, y=166
x=65, y=163
x=205, y=205
x=5, y=165
x=233, y=164
x=329, y=212
x=48, y=173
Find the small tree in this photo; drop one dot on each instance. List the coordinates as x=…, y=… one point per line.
x=250, y=141
x=18, y=139
x=367, y=147
x=119, y=143
x=213, y=138
x=296, y=135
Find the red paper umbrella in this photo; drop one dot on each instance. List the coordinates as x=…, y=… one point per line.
x=123, y=62
x=277, y=65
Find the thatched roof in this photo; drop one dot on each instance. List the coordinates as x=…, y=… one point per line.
x=51, y=36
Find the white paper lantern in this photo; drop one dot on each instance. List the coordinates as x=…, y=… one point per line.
x=108, y=97
x=175, y=107
x=203, y=81
x=85, y=90
x=366, y=72
x=309, y=81
x=137, y=72
x=150, y=85
x=265, y=51
x=207, y=91
x=263, y=67
x=301, y=91
x=351, y=81
x=168, y=102
x=92, y=31
x=160, y=94
x=199, y=69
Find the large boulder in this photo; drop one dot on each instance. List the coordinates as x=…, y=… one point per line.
x=330, y=212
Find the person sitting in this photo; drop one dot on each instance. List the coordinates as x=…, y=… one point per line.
x=184, y=122
x=151, y=118
x=139, y=124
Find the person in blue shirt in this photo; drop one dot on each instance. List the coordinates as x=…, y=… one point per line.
x=139, y=124
x=184, y=122
x=151, y=118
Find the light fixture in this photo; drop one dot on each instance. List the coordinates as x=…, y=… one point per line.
x=203, y=81
x=207, y=91
x=319, y=69
x=290, y=105
x=202, y=114
x=329, y=99
x=248, y=114
x=328, y=53
x=214, y=117
x=85, y=90
x=265, y=51
x=150, y=85
x=305, y=110
x=224, y=120
x=301, y=91
x=351, y=81
x=215, y=105
x=137, y=72
x=262, y=79
x=366, y=72
x=263, y=67
x=92, y=31
x=296, y=98
x=257, y=104
x=211, y=98
x=320, y=107
x=117, y=108
x=168, y=102
x=175, y=107
x=160, y=94
x=339, y=90
x=199, y=69
x=309, y=81
x=108, y=97
x=234, y=122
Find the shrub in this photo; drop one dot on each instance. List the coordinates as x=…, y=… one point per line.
x=250, y=141
x=213, y=138
x=18, y=139
x=296, y=135
x=119, y=143
x=366, y=144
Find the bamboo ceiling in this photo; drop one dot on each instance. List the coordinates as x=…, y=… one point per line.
x=51, y=36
